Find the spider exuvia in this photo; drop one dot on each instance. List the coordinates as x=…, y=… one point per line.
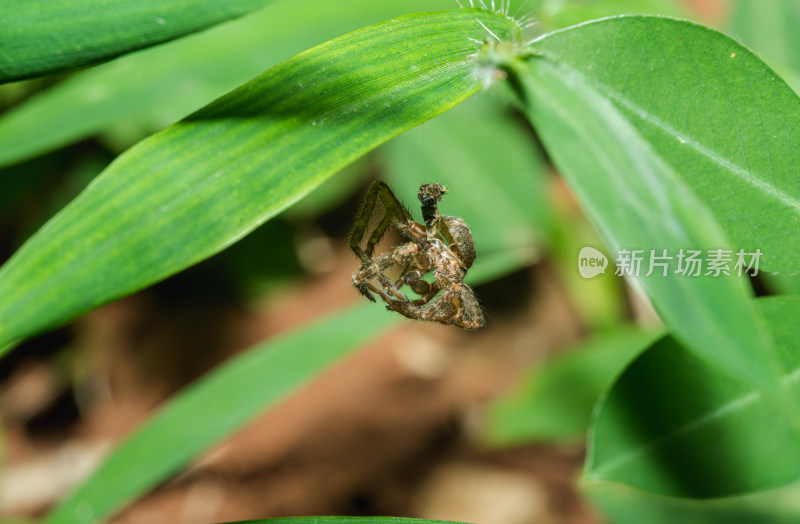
x=443, y=245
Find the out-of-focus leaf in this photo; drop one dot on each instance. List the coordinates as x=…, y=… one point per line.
x=558, y=14
x=214, y=407
x=624, y=505
x=770, y=28
x=555, y=401
x=674, y=425
x=600, y=302
x=41, y=38
x=345, y=520
x=724, y=121
x=198, y=186
x=154, y=88
x=331, y=192
x=637, y=202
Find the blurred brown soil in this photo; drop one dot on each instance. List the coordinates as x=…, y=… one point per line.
x=393, y=430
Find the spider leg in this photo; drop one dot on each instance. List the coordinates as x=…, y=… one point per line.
x=374, y=270
x=402, y=278
x=366, y=289
x=421, y=287
x=470, y=315
x=376, y=235
x=457, y=306
x=394, y=211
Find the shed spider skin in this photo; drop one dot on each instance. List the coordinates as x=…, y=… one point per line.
x=443, y=244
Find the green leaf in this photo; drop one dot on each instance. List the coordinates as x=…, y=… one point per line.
x=555, y=401
x=624, y=505
x=41, y=38
x=637, y=202
x=198, y=186
x=154, y=88
x=601, y=303
x=727, y=124
x=214, y=407
x=769, y=28
x=674, y=425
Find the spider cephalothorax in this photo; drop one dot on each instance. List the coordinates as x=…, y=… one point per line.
x=443, y=245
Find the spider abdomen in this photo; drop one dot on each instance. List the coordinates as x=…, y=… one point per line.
x=463, y=240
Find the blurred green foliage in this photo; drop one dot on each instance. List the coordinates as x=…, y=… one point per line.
x=59, y=133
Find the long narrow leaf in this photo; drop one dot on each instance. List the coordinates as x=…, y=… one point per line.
x=191, y=190
x=39, y=38
x=156, y=87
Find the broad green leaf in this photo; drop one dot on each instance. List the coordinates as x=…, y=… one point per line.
x=41, y=38
x=624, y=505
x=214, y=407
x=154, y=88
x=491, y=170
x=555, y=401
x=637, y=202
x=724, y=121
x=674, y=425
x=198, y=186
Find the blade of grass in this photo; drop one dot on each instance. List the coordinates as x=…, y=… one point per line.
x=198, y=186
x=41, y=38
x=156, y=87
x=153, y=88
